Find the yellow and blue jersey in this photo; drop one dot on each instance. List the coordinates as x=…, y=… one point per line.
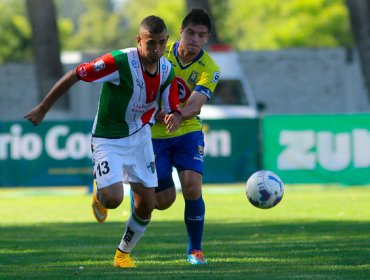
x=200, y=75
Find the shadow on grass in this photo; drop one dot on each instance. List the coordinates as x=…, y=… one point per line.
x=317, y=250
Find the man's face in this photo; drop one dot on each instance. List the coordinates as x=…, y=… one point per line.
x=151, y=46
x=194, y=37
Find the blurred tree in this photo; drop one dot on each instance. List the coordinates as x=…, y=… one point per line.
x=134, y=11
x=360, y=19
x=245, y=25
x=46, y=47
x=15, y=32
x=275, y=24
x=99, y=28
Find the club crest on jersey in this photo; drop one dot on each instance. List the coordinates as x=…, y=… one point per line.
x=82, y=71
x=193, y=77
x=216, y=76
x=99, y=65
x=151, y=166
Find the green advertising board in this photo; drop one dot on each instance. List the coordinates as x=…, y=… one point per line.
x=51, y=154
x=57, y=153
x=318, y=148
x=231, y=150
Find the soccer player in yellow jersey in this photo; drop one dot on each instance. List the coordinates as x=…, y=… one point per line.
x=197, y=76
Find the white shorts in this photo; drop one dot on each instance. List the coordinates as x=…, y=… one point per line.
x=129, y=159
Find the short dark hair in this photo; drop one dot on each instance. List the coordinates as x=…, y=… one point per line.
x=197, y=16
x=153, y=24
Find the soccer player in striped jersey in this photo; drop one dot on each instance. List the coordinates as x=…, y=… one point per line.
x=134, y=81
x=197, y=75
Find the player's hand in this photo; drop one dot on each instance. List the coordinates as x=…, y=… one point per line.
x=173, y=121
x=36, y=115
x=159, y=117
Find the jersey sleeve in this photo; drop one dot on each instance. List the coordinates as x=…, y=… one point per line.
x=208, y=81
x=170, y=95
x=101, y=69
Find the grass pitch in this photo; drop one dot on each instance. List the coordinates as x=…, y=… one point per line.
x=316, y=232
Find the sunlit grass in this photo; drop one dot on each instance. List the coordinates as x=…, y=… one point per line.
x=316, y=232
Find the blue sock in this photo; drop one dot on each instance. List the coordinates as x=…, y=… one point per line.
x=194, y=220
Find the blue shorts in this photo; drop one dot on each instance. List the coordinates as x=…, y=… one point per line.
x=185, y=152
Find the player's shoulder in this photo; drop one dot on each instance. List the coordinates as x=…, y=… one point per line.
x=165, y=63
x=127, y=52
x=166, y=67
x=170, y=47
x=208, y=62
x=169, y=52
x=126, y=57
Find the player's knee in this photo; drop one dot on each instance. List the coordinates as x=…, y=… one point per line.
x=164, y=203
x=112, y=202
x=146, y=207
x=165, y=198
x=191, y=192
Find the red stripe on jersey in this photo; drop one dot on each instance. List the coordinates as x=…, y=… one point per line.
x=152, y=86
x=173, y=97
x=145, y=118
x=97, y=69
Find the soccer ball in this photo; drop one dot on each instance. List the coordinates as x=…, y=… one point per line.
x=264, y=189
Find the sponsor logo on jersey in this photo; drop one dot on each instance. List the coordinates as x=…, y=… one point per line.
x=164, y=68
x=184, y=91
x=99, y=65
x=201, y=63
x=216, y=76
x=138, y=108
x=134, y=64
x=193, y=77
x=140, y=83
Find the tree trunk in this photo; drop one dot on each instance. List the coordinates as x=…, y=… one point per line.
x=204, y=4
x=46, y=47
x=359, y=11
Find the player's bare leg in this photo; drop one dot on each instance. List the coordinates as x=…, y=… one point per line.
x=165, y=198
x=109, y=197
x=191, y=184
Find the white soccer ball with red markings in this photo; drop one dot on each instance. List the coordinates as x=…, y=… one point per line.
x=264, y=189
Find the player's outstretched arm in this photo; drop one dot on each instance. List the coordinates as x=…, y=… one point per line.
x=194, y=105
x=60, y=88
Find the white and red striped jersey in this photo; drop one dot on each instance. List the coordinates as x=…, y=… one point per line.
x=129, y=96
